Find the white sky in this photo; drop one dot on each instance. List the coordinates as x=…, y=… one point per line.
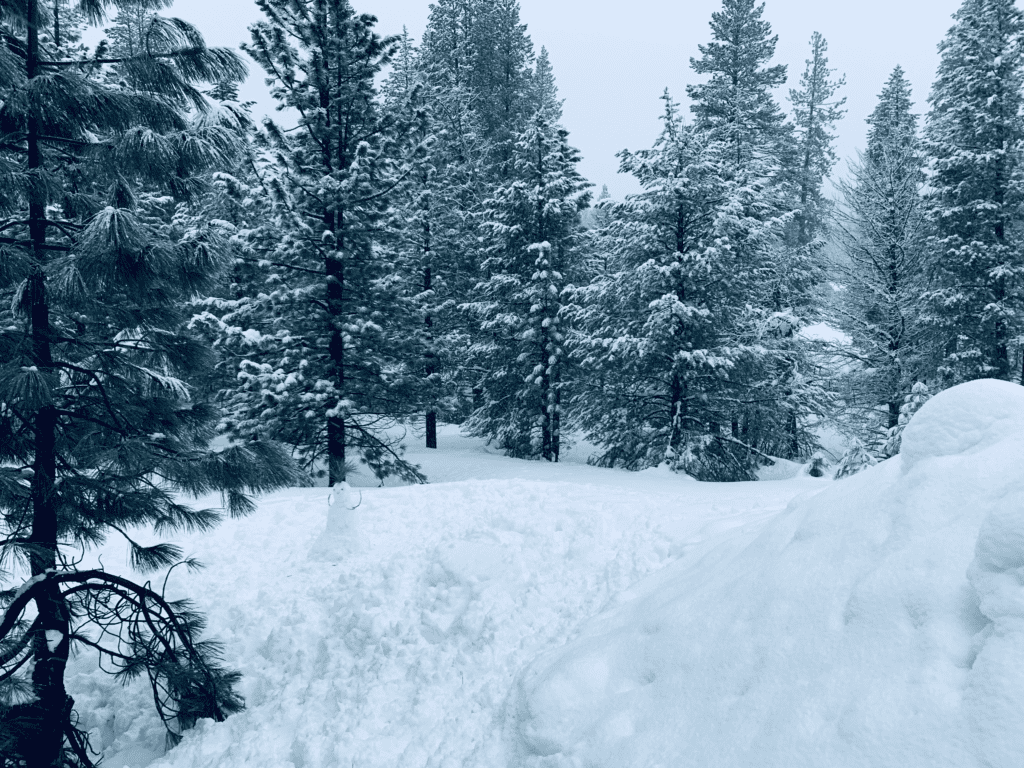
x=613, y=59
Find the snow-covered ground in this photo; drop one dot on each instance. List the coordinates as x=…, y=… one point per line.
x=529, y=615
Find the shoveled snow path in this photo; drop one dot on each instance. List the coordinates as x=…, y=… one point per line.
x=403, y=652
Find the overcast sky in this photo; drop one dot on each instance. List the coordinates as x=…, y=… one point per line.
x=613, y=59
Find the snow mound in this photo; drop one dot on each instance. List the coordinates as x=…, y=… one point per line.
x=879, y=622
x=385, y=627
x=964, y=420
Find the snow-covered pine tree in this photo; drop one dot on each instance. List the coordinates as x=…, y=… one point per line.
x=918, y=396
x=816, y=111
x=480, y=59
x=460, y=155
x=659, y=332
x=336, y=358
x=543, y=93
x=855, y=460
x=737, y=108
x=736, y=103
x=881, y=233
x=99, y=430
x=419, y=204
x=533, y=221
x=501, y=78
x=796, y=269
x=973, y=139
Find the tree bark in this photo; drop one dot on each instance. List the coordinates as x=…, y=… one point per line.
x=335, y=310
x=430, y=356
x=50, y=654
x=894, y=414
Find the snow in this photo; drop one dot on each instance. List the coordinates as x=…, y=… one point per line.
x=869, y=624
x=825, y=332
x=53, y=639
x=544, y=616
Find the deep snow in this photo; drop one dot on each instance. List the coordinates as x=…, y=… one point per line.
x=521, y=614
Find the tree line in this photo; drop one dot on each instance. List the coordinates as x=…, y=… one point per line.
x=194, y=301
x=429, y=250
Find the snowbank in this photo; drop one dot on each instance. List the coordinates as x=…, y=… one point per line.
x=877, y=623
x=387, y=629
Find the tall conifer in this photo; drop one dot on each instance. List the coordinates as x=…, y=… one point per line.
x=816, y=110
x=671, y=362
x=533, y=223
x=882, y=234
x=332, y=364
x=736, y=103
x=974, y=142
x=99, y=428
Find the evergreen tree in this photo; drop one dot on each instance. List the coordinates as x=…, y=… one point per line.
x=422, y=205
x=501, y=77
x=882, y=234
x=857, y=459
x=670, y=358
x=533, y=221
x=99, y=429
x=917, y=397
x=736, y=102
x=543, y=91
x=737, y=108
x=973, y=140
x=447, y=50
x=460, y=156
x=816, y=110
x=335, y=361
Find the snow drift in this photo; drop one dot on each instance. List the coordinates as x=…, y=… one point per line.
x=386, y=629
x=879, y=622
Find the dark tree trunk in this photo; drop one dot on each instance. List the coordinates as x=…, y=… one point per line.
x=335, y=310
x=50, y=654
x=430, y=356
x=677, y=406
x=556, y=417
x=894, y=414
x=794, y=436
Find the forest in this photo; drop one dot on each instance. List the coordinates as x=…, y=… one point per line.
x=196, y=299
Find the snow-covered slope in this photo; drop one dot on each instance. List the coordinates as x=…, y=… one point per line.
x=399, y=642
x=879, y=623
x=529, y=616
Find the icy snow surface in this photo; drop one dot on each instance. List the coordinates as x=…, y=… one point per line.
x=520, y=614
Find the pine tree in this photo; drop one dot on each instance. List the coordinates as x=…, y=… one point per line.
x=918, y=396
x=662, y=333
x=501, y=77
x=973, y=139
x=882, y=234
x=447, y=50
x=543, y=91
x=533, y=221
x=336, y=361
x=460, y=155
x=816, y=110
x=737, y=108
x=99, y=429
x=422, y=208
x=857, y=459
x=736, y=102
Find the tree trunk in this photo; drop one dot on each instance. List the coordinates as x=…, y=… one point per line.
x=335, y=310
x=677, y=406
x=430, y=356
x=50, y=650
x=545, y=404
